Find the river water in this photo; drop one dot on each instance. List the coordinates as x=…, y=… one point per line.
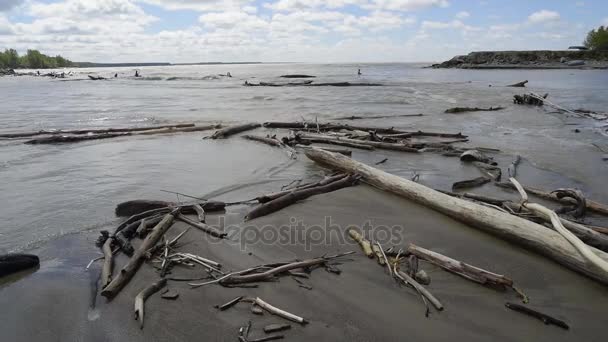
x=48, y=191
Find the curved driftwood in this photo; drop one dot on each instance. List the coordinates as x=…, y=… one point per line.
x=141, y=298
x=298, y=195
x=228, y=131
x=363, y=242
x=281, y=313
x=128, y=271
x=506, y=226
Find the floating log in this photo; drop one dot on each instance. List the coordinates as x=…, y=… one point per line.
x=330, y=149
x=363, y=242
x=139, y=206
x=298, y=195
x=94, y=130
x=108, y=263
x=61, y=139
x=354, y=117
x=272, y=142
x=543, y=317
x=467, y=271
x=169, y=130
x=518, y=84
x=374, y=144
x=456, y=110
x=128, y=271
x=474, y=155
x=506, y=226
x=12, y=263
x=324, y=181
x=594, y=206
x=141, y=298
x=338, y=142
x=471, y=183
x=281, y=313
x=228, y=131
x=202, y=226
x=297, y=76
x=96, y=78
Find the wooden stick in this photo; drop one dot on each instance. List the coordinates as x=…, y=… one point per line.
x=470, y=183
x=374, y=144
x=202, y=226
x=409, y=280
x=272, y=196
x=363, y=242
x=269, y=274
x=200, y=212
x=506, y=226
x=338, y=142
x=543, y=317
x=272, y=142
x=466, y=271
x=141, y=298
x=330, y=149
x=108, y=263
x=229, y=304
x=298, y=195
x=146, y=207
x=228, y=131
x=129, y=270
x=281, y=313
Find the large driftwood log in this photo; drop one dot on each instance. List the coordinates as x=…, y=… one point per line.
x=60, y=139
x=298, y=195
x=141, y=298
x=456, y=110
x=337, y=142
x=467, y=271
x=374, y=144
x=128, y=271
x=506, y=226
x=135, y=207
x=330, y=149
x=108, y=263
x=228, y=131
x=93, y=131
x=168, y=130
x=594, y=206
x=202, y=226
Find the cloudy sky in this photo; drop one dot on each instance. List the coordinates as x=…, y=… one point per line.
x=292, y=30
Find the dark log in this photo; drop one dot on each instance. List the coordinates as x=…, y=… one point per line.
x=60, y=139
x=276, y=327
x=297, y=76
x=124, y=244
x=12, y=263
x=129, y=270
x=169, y=130
x=594, y=206
x=456, y=110
x=354, y=117
x=268, y=338
x=141, y=298
x=474, y=155
x=467, y=271
x=298, y=195
x=94, y=131
x=543, y=317
x=493, y=171
x=518, y=84
x=140, y=206
x=382, y=161
x=146, y=223
x=229, y=304
x=228, y=131
x=374, y=144
x=471, y=183
x=202, y=226
x=324, y=181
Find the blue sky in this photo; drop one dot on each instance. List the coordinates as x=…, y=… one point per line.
x=292, y=30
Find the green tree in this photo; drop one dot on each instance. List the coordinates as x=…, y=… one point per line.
x=12, y=58
x=597, y=39
x=35, y=60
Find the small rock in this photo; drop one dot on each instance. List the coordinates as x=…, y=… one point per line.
x=257, y=310
x=276, y=327
x=169, y=294
x=576, y=130
x=422, y=277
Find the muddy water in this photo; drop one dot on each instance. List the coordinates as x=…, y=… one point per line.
x=56, y=198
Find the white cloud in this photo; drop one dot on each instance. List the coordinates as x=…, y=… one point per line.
x=200, y=5
x=543, y=16
x=6, y=5
x=605, y=21
x=454, y=24
x=463, y=15
x=6, y=28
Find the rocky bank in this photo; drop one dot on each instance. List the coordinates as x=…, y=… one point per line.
x=541, y=59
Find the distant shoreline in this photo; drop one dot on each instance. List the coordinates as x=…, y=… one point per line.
x=540, y=59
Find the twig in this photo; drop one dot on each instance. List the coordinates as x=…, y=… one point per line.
x=281, y=313
x=543, y=317
x=141, y=298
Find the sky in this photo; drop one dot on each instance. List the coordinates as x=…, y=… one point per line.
x=318, y=31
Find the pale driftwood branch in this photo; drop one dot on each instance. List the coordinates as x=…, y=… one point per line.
x=512, y=170
x=200, y=212
x=228, y=131
x=281, y=313
x=202, y=226
x=273, y=142
x=141, y=298
x=506, y=226
x=409, y=280
x=108, y=263
x=128, y=271
x=583, y=249
x=363, y=242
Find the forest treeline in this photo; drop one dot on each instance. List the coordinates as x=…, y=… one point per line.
x=33, y=59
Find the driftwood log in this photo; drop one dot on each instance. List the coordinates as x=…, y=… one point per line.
x=506, y=226
x=298, y=195
x=366, y=246
x=340, y=142
x=228, y=131
x=518, y=84
x=456, y=110
x=374, y=144
x=343, y=151
x=467, y=271
x=202, y=226
x=354, y=117
x=324, y=181
x=60, y=139
x=281, y=313
x=108, y=263
x=470, y=183
x=135, y=207
x=93, y=130
x=129, y=270
x=141, y=298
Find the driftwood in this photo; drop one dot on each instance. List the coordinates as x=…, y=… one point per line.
x=200, y=212
x=363, y=242
x=202, y=226
x=229, y=304
x=324, y=181
x=141, y=298
x=297, y=76
x=276, y=327
x=518, y=84
x=494, y=172
x=474, y=155
x=128, y=271
x=330, y=149
x=506, y=226
x=594, y=206
x=298, y=195
x=108, y=263
x=467, y=271
x=512, y=170
x=374, y=144
x=281, y=313
x=456, y=110
x=271, y=273
x=228, y=131
x=339, y=142
x=354, y=117
x=169, y=130
x=471, y=183
x=272, y=142
x=94, y=130
x=421, y=289
x=135, y=207
x=543, y=317
x=60, y=139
